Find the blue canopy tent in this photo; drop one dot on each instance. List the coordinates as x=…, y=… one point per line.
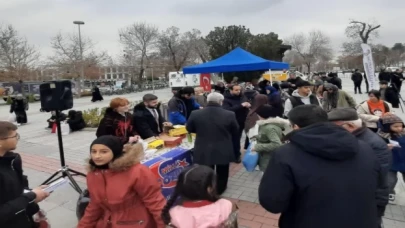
x=234, y=61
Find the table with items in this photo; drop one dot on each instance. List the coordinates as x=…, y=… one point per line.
x=166, y=157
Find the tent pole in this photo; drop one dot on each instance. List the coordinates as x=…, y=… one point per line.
x=271, y=78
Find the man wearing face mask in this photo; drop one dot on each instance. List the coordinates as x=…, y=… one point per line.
x=148, y=120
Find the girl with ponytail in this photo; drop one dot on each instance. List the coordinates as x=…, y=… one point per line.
x=195, y=203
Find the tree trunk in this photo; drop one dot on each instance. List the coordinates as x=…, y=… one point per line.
x=309, y=67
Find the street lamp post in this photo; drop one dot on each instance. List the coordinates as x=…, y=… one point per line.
x=78, y=23
x=153, y=82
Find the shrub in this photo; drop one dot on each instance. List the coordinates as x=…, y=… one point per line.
x=93, y=116
x=86, y=93
x=9, y=100
x=31, y=98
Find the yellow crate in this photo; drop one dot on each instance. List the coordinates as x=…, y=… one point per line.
x=178, y=131
x=156, y=144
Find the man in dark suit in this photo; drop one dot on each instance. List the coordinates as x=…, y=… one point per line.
x=148, y=120
x=217, y=138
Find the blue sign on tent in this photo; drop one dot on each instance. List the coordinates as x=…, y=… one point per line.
x=234, y=61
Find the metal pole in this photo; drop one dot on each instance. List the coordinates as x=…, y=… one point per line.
x=81, y=58
x=153, y=84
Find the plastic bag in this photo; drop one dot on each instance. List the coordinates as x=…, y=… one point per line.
x=12, y=117
x=40, y=220
x=65, y=128
x=250, y=158
x=54, y=126
x=82, y=203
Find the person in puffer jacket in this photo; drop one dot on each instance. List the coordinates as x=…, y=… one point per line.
x=270, y=133
x=392, y=130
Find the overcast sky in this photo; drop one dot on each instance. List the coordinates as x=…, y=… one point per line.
x=39, y=20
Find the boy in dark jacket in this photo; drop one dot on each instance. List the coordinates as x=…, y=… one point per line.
x=16, y=206
x=357, y=78
x=181, y=105
x=314, y=180
x=392, y=130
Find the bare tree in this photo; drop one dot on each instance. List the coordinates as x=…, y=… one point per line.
x=139, y=40
x=200, y=48
x=176, y=46
x=17, y=57
x=312, y=48
x=361, y=30
x=352, y=48
x=66, y=48
x=294, y=59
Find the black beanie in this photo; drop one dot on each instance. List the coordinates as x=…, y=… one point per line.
x=266, y=111
x=112, y=142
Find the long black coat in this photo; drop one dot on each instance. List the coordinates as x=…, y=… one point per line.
x=234, y=104
x=324, y=178
x=16, y=207
x=357, y=77
x=19, y=107
x=96, y=95
x=217, y=135
x=145, y=123
x=384, y=156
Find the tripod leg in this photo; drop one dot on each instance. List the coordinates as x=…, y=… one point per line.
x=74, y=183
x=47, y=181
x=76, y=172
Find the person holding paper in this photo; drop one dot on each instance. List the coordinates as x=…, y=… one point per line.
x=392, y=130
x=123, y=192
x=16, y=207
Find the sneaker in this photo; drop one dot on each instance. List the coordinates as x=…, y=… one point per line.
x=18, y=124
x=391, y=198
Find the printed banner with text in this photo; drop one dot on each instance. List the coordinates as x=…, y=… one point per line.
x=368, y=64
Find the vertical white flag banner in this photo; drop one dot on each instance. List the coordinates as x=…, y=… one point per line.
x=368, y=64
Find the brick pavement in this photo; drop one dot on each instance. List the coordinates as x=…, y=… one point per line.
x=39, y=150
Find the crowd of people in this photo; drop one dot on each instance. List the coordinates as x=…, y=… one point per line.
x=325, y=160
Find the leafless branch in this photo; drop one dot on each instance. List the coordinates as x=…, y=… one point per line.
x=312, y=47
x=16, y=55
x=140, y=40
x=67, y=54
x=361, y=30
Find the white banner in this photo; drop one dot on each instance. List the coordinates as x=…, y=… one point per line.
x=368, y=64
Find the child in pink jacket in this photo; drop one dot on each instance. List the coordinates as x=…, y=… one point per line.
x=195, y=204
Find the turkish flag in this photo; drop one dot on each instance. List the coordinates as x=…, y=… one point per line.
x=205, y=82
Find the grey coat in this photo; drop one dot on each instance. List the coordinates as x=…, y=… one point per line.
x=216, y=132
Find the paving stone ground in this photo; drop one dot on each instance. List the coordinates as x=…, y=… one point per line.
x=40, y=153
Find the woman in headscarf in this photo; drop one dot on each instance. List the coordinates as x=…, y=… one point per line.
x=252, y=117
x=318, y=89
x=123, y=192
x=19, y=106
x=96, y=95
x=336, y=98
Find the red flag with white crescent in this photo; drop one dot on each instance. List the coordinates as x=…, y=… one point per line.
x=205, y=82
